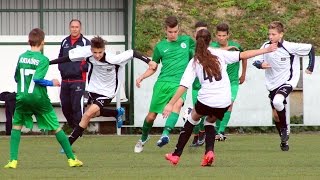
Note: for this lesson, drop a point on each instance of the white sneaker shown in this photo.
(138, 148)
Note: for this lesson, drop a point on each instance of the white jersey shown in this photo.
(216, 94)
(283, 70)
(104, 76)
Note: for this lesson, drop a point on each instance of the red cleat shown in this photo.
(208, 159)
(173, 159)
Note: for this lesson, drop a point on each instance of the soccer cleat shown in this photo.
(195, 141)
(208, 159)
(12, 164)
(202, 138)
(220, 137)
(138, 148)
(119, 117)
(163, 141)
(173, 159)
(284, 139)
(74, 163)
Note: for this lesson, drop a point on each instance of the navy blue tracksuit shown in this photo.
(73, 82)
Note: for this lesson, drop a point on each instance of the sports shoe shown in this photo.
(202, 138)
(163, 141)
(220, 137)
(138, 148)
(284, 139)
(74, 162)
(208, 159)
(195, 141)
(12, 164)
(119, 117)
(173, 159)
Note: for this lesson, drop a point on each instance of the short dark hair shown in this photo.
(77, 20)
(98, 42)
(223, 27)
(200, 24)
(276, 25)
(36, 36)
(171, 22)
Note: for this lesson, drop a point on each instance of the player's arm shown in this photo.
(244, 63)
(186, 81)
(252, 53)
(302, 49)
(40, 73)
(76, 54)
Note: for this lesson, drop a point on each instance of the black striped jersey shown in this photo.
(104, 76)
(283, 70)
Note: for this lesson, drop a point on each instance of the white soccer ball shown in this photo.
(186, 114)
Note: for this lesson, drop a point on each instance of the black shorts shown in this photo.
(99, 100)
(284, 89)
(205, 110)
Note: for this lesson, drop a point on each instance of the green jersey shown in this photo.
(232, 69)
(174, 57)
(31, 65)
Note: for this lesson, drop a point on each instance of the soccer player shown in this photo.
(198, 130)
(280, 74)
(222, 37)
(174, 53)
(32, 99)
(214, 97)
(105, 76)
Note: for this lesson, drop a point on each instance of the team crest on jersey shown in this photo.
(183, 45)
(66, 45)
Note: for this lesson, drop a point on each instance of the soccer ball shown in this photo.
(186, 114)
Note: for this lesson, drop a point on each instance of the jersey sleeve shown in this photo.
(300, 49)
(42, 69)
(156, 57)
(189, 75)
(229, 56)
(121, 58)
(80, 53)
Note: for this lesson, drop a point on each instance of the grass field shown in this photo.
(112, 157)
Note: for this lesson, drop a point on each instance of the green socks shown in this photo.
(14, 144)
(170, 123)
(145, 130)
(199, 127)
(64, 142)
(224, 122)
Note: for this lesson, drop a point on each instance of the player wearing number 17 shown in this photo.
(32, 99)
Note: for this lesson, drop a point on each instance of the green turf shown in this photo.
(112, 157)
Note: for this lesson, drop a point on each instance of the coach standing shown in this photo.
(73, 76)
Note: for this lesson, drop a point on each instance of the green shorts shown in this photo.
(48, 121)
(162, 94)
(234, 90)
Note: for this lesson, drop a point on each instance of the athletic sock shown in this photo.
(63, 140)
(201, 124)
(210, 137)
(170, 123)
(196, 129)
(76, 133)
(14, 144)
(218, 122)
(145, 130)
(224, 122)
(183, 138)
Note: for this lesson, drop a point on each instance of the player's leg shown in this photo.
(202, 133)
(210, 131)
(15, 137)
(196, 129)
(193, 119)
(147, 125)
(91, 112)
(278, 103)
(66, 105)
(225, 120)
(77, 101)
